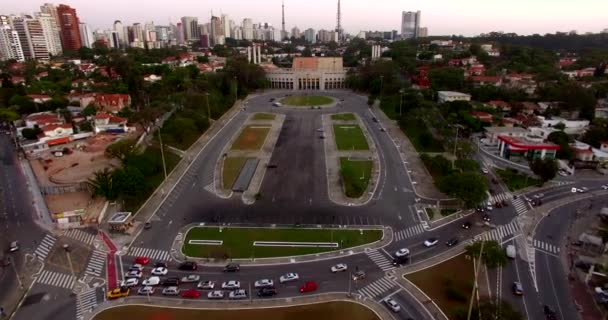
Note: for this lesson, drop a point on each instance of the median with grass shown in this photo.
(247, 243)
(516, 181)
(306, 101)
(350, 137)
(343, 117)
(231, 169)
(355, 176)
(251, 138)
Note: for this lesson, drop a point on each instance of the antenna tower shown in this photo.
(339, 23)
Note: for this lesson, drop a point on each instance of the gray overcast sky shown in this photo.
(442, 17)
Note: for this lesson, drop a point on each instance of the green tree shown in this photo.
(446, 78)
(121, 149)
(24, 104)
(469, 187)
(103, 185)
(129, 182)
(493, 254)
(89, 110)
(545, 169)
(31, 133)
(490, 310)
(8, 115)
(85, 126)
(560, 126)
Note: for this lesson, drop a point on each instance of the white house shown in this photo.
(449, 96)
(572, 126)
(104, 122)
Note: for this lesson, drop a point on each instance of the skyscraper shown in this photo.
(120, 31)
(10, 46)
(310, 35)
(225, 26)
(410, 24)
(295, 32)
(216, 31)
(247, 29)
(69, 26)
(31, 37)
(51, 32)
(86, 36)
(190, 25)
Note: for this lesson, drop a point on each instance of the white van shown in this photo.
(511, 251)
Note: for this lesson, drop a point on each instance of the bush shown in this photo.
(455, 295)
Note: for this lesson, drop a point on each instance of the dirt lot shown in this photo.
(74, 201)
(251, 138)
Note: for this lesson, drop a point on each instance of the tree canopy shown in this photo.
(493, 254)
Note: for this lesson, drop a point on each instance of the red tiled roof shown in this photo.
(102, 115)
(499, 103)
(115, 119)
(43, 118)
(39, 96)
(52, 127)
(481, 114)
(485, 79)
(527, 145)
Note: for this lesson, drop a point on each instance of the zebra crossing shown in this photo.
(56, 279)
(377, 287)
(96, 264)
(380, 260)
(520, 205)
(153, 254)
(85, 302)
(409, 232)
(500, 232)
(45, 247)
(547, 247)
(210, 188)
(80, 235)
(505, 196)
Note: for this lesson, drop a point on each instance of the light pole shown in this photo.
(236, 90)
(12, 262)
(455, 144)
(208, 110)
(162, 152)
(400, 101)
(66, 247)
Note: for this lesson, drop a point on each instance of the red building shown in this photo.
(69, 26)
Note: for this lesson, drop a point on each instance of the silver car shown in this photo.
(393, 305)
(237, 294)
(171, 291)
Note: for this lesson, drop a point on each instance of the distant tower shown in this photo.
(339, 23)
(283, 32)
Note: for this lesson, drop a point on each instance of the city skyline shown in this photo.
(442, 17)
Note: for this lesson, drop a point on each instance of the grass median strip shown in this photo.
(251, 138)
(241, 242)
(355, 176)
(350, 137)
(231, 169)
(303, 101)
(343, 116)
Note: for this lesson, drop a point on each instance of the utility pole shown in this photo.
(162, 152)
(400, 101)
(455, 144)
(475, 281)
(208, 110)
(66, 247)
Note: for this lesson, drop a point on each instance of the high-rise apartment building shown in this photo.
(190, 25)
(237, 33)
(86, 35)
(10, 46)
(423, 32)
(295, 33)
(225, 26)
(410, 24)
(51, 32)
(216, 30)
(120, 31)
(69, 26)
(247, 29)
(179, 33)
(310, 36)
(31, 37)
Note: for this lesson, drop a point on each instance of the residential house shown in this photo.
(449, 96)
(113, 102)
(462, 62)
(529, 108)
(504, 106)
(587, 72)
(152, 78)
(486, 80)
(572, 126)
(183, 60)
(39, 98)
(476, 69)
(482, 116)
(55, 134)
(42, 119)
(87, 68)
(108, 123)
(84, 99)
(41, 75)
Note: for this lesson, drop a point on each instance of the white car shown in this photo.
(289, 277)
(237, 294)
(402, 252)
(160, 271)
(563, 173)
(264, 283)
(191, 278)
(152, 281)
(579, 190)
(217, 294)
(430, 242)
(484, 170)
(133, 274)
(393, 305)
(171, 291)
(130, 282)
(206, 285)
(146, 290)
(137, 267)
(605, 187)
(231, 285)
(339, 267)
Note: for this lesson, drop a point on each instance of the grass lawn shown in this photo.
(447, 212)
(264, 116)
(343, 116)
(516, 181)
(420, 136)
(230, 170)
(355, 176)
(238, 242)
(180, 132)
(449, 284)
(304, 101)
(350, 137)
(251, 138)
(328, 311)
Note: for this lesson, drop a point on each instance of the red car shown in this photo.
(192, 293)
(142, 260)
(309, 286)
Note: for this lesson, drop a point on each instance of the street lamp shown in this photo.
(162, 151)
(208, 110)
(401, 101)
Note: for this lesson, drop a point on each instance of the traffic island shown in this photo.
(351, 159)
(243, 162)
(307, 101)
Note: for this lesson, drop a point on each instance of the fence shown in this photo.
(54, 190)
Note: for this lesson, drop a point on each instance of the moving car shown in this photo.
(309, 286)
(216, 294)
(393, 305)
(14, 246)
(231, 285)
(518, 288)
(142, 260)
(264, 283)
(188, 265)
(400, 260)
(160, 271)
(510, 251)
(160, 265)
(430, 242)
(232, 267)
(484, 170)
(605, 187)
(237, 294)
(359, 275)
(191, 278)
(289, 277)
(402, 252)
(580, 190)
(137, 267)
(452, 242)
(146, 290)
(133, 274)
(152, 281)
(130, 282)
(206, 285)
(267, 292)
(191, 293)
(340, 267)
(486, 218)
(466, 225)
(118, 293)
(171, 291)
(173, 281)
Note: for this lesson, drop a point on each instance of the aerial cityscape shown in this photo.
(330, 160)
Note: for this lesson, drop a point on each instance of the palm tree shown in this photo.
(103, 185)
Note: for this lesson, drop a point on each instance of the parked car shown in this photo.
(267, 292)
(146, 290)
(173, 281)
(510, 251)
(133, 274)
(517, 288)
(152, 281)
(430, 242)
(118, 293)
(309, 286)
(402, 252)
(136, 267)
(171, 291)
(289, 277)
(142, 260)
(340, 267)
(191, 278)
(237, 294)
(129, 282)
(452, 242)
(160, 271)
(264, 283)
(216, 294)
(191, 293)
(393, 305)
(231, 285)
(232, 267)
(206, 285)
(188, 265)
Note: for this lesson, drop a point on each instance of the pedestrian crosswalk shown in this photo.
(210, 188)
(153, 254)
(547, 247)
(500, 232)
(56, 279)
(505, 196)
(520, 205)
(80, 235)
(85, 302)
(45, 247)
(96, 263)
(409, 232)
(377, 287)
(380, 260)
